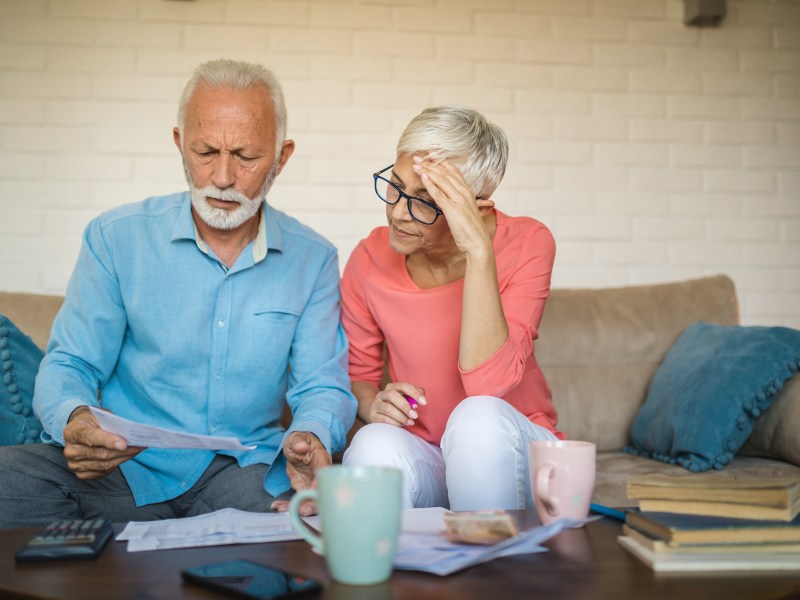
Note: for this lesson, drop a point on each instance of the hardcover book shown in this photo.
(741, 498)
(658, 546)
(701, 529)
(722, 509)
(711, 561)
(777, 492)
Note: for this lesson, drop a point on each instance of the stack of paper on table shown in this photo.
(744, 498)
(425, 548)
(421, 547)
(225, 526)
(677, 542)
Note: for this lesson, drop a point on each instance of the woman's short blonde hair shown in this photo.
(478, 147)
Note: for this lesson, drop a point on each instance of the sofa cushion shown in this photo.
(599, 348)
(775, 433)
(705, 397)
(19, 362)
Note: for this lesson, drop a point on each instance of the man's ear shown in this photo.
(176, 137)
(286, 151)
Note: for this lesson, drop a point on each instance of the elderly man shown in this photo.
(205, 312)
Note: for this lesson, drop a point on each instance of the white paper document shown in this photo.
(150, 436)
(225, 526)
(423, 547)
(435, 554)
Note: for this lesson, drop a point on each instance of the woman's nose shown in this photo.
(400, 211)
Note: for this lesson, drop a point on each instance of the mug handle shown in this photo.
(543, 485)
(298, 524)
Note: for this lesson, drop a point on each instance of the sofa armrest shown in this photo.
(33, 314)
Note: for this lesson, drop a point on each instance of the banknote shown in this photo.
(479, 527)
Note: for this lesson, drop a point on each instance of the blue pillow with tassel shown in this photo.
(705, 397)
(19, 363)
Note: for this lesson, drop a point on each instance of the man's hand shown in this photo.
(90, 451)
(305, 455)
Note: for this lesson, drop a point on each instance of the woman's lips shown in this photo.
(402, 233)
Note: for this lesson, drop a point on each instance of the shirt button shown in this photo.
(220, 324)
(218, 376)
(213, 429)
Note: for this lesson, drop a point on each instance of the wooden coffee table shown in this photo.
(582, 564)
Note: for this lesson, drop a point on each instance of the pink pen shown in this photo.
(411, 401)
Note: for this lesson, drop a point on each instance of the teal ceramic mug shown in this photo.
(359, 510)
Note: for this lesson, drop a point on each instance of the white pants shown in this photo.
(482, 463)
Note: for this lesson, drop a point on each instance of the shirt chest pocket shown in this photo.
(273, 328)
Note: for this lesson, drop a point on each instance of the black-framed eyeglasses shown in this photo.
(420, 210)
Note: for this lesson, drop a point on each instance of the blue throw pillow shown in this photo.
(713, 384)
(19, 362)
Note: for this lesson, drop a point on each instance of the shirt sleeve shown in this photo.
(523, 295)
(319, 389)
(363, 333)
(85, 340)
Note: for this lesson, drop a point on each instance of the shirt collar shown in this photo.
(268, 237)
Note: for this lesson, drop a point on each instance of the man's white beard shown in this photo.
(220, 218)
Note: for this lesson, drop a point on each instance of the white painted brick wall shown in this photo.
(654, 151)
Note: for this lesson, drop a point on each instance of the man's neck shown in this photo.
(228, 244)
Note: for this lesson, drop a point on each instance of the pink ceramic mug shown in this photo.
(562, 478)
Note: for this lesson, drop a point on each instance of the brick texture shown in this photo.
(654, 151)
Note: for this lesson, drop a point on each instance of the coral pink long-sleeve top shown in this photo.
(421, 327)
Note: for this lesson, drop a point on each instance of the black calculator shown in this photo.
(67, 540)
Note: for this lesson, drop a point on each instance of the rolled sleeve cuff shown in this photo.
(276, 481)
(63, 412)
(492, 375)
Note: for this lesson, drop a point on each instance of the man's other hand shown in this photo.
(90, 451)
(305, 455)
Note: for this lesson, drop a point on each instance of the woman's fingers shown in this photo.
(443, 181)
(397, 404)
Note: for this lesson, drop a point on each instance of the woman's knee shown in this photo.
(375, 444)
(478, 416)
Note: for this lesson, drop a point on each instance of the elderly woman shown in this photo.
(454, 289)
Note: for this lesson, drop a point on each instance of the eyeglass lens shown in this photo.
(419, 210)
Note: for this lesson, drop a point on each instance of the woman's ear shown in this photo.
(485, 205)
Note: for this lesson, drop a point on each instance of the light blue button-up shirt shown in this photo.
(172, 337)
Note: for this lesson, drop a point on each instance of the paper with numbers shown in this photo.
(150, 436)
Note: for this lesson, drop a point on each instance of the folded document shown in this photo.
(225, 526)
(422, 545)
(434, 554)
(150, 436)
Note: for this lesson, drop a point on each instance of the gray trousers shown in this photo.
(36, 487)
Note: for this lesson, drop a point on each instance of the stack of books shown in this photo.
(748, 498)
(697, 524)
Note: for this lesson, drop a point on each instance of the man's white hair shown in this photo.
(478, 147)
(237, 75)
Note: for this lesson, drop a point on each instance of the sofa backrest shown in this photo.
(32, 313)
(599, 348)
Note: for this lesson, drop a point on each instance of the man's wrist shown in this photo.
(81, 409)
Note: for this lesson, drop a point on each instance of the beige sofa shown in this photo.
(599, 349)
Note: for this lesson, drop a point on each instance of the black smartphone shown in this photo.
(246, 579)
